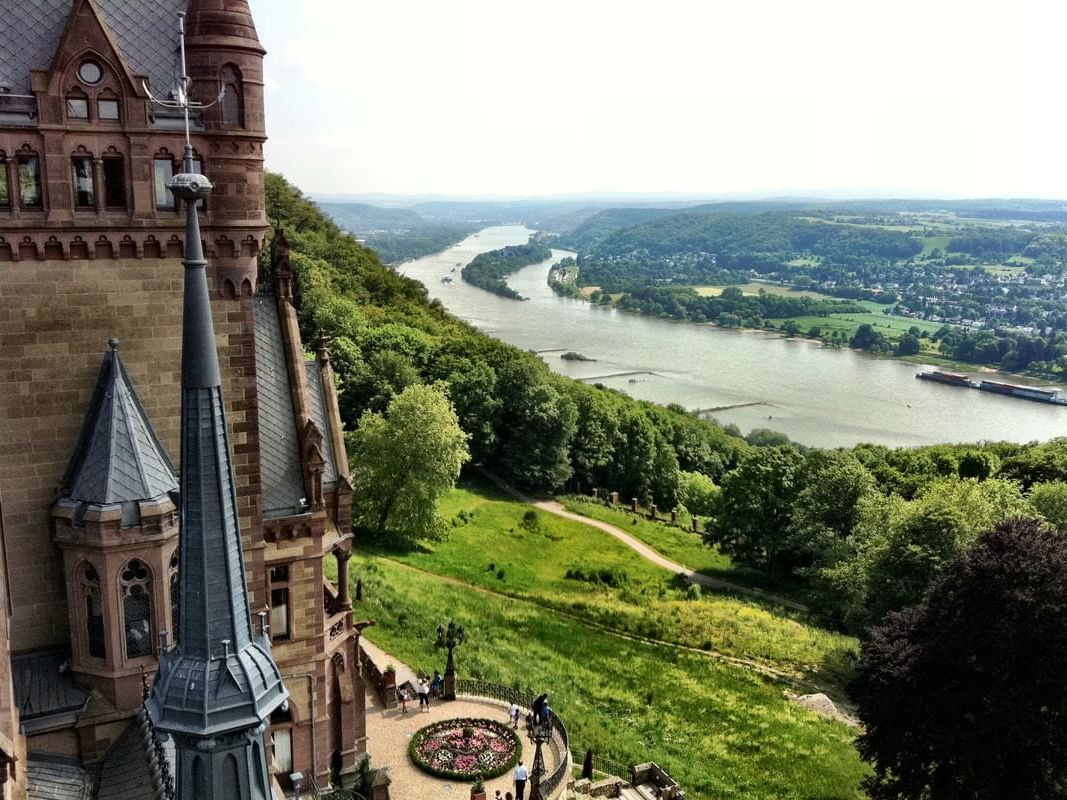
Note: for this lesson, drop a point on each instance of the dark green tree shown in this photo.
(963, 696)
(754, 508)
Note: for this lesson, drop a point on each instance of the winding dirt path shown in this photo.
(643, 550)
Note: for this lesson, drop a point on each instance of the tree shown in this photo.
(1050, 501)
(403, 461)
(963, 696)
(907, 345)
(753, 512)
(833, 484)
(593, 445)
(697, 492)
(542, 421)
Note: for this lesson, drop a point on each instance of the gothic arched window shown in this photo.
(232, 100)
(135, 583)
(93, 603)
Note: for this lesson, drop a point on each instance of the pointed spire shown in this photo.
(218, 686)
(119, 458)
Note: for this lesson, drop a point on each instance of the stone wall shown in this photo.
(55, 320)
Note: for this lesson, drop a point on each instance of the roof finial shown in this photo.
(113, 343)
(181, 97)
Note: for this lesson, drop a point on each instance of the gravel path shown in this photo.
(642, 549)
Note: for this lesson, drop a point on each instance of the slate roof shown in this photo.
(42, 690)
(118, 459)
(318, 416)
(145, 31)
(56, 778)
(279, 452)
(129, 772)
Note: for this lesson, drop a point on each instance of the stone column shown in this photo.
(342, 579)
(98, 185)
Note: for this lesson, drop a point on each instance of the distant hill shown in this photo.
(362, 219)
(396, 234)
(603, 224)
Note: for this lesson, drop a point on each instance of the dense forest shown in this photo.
(488, 270)
(857, 532)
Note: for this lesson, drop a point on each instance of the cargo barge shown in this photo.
(1038, 395)
(951, 378)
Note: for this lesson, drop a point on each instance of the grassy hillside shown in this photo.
(721, 729)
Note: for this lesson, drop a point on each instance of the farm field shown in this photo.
(754, 288)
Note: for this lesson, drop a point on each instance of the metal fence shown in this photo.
(472, 688)
(602, 764)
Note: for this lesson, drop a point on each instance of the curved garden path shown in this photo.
(643, 550)
(389, 732)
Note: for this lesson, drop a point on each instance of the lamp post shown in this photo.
(540, 732)
(450, 637)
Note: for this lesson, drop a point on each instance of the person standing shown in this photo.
(521, 776)
(424, 695)
(513, 714)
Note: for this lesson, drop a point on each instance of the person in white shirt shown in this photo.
(521, 776)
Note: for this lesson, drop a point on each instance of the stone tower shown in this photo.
(91, 247)
(117, 526)
(217, 687)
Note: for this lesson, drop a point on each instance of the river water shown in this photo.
(817, 396)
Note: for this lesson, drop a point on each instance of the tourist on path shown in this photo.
(538, 704)
(513, 714)
(437, 684)
(521, 775)
(404, 701)
(424, 695)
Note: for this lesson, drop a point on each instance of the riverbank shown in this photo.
(819, 396)
(926, 357)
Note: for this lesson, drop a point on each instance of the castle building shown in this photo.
(91, 280)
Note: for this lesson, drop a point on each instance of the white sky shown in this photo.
(932, 97)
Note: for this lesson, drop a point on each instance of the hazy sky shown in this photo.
(932, 97)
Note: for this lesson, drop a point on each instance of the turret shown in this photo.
(116, 523)
(225, 57)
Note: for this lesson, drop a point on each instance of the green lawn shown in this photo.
(887, 324)
(613, 587)
(930, 243)
(720, 730)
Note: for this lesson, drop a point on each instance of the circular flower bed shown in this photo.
(465, 749)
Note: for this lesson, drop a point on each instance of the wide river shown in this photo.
(817, 396)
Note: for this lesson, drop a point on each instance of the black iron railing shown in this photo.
(603, 765)
(494, 691)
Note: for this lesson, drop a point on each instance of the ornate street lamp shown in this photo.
(450, 637)
(540, 732)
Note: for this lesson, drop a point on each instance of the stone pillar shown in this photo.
(596, 493)
(633, 504)
(342, 579)
(98, 184)
(614, 498)
(674, 516)
(653, 512)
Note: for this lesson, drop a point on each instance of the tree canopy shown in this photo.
(963, 696)
(403, 461)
